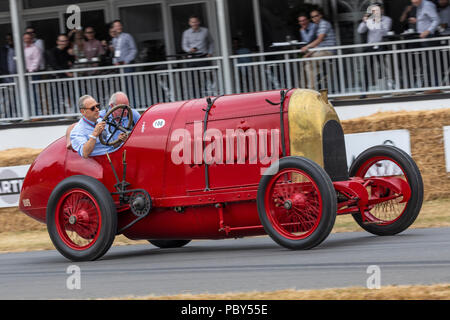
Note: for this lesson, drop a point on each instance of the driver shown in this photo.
(118, 98)
(84, 136)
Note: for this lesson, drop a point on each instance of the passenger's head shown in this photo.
(316, 16)
(303, 20)
(416, 3)
(194, 22)
(89, 108)
(119, 98)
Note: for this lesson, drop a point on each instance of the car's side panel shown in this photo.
(200, 222)
(44, 174)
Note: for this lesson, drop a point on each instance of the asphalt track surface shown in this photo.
(417, 256)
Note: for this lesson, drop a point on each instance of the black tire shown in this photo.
(412, 173)
(107, 226)
(167, 244)
(328, 201)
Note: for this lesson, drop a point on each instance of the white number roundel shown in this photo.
(158, 124)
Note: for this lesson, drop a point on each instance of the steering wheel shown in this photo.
(116, 123)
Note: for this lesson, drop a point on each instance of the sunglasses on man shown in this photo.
(97, 106)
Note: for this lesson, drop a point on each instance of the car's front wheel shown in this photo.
(297, 203)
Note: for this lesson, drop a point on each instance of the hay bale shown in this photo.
(13, 220)
(427, 142)
(18, 156)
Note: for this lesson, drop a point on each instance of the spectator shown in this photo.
(92, 47)
(238, 49)
(307, 29)
(32, 53)
(76, 39)
(197, 39)
(376, 30)
(59, 57)
(125, 50)
(444, 15)
(39, 43)
(325, 37)
(8, 58)
(427, 18)
(108, 48)
(409, 12)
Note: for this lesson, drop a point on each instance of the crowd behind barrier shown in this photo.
(415, 60)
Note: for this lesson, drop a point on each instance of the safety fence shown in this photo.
(380, 68)
(56, 93)
(9, 103)
(363, 69)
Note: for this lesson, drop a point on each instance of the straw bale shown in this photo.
(427, 142)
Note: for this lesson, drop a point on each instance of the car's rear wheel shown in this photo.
(297, 204)
(393, 216)
(167, 244)
(81, 218)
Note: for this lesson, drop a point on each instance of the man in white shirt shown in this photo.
(125, 49)
(197, 39)
(376, 26)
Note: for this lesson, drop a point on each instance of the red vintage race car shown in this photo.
(228, 167)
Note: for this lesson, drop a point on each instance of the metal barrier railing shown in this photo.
(54, 93)
(396, 66)
(9, 98)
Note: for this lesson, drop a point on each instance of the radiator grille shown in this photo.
(334, 154)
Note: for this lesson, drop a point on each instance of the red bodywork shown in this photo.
(148, 155)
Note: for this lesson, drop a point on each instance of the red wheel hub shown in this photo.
(78, 219)
(293, 204)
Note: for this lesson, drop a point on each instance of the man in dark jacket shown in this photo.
(59, 57)
(7, 59)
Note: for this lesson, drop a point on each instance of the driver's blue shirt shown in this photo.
(80, 135)
(124, 122)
